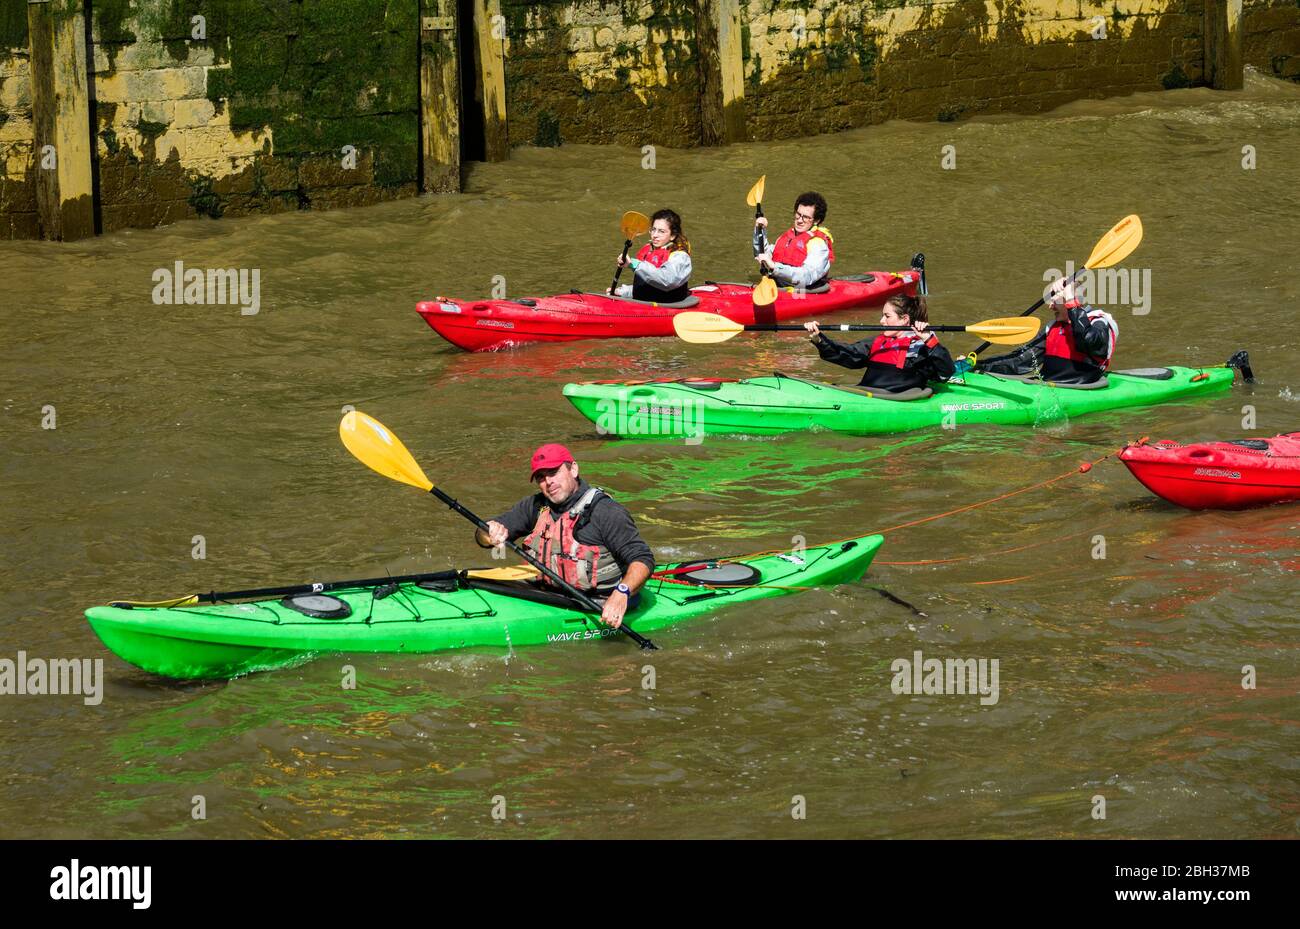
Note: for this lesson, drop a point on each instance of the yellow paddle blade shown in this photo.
(765, 292)
(191, 600)
(1014, 330)
(1117, 244)
(705, 328)
(634, 224)
(379, 450)
(513, 573)
(755, 195)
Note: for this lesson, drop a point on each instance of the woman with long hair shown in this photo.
(661, 271)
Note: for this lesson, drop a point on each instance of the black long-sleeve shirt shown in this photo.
(608, 524)
(1092, 337)
(927, 360)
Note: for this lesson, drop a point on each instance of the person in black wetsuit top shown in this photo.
(1075, 349)
(899, 359)
(579, 532)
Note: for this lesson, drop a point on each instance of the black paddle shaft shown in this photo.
(293, 590)
(618, 272)
(528, 557)
(842, 327)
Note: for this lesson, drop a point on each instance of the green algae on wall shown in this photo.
(280, 104)
(13, 24)
(624, 73)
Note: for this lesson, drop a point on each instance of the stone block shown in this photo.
(185, 82)
(169, 144)
(156, 111)
(143, 56)
(1051, 56)
(277, 173)
(581, 39)
(112, 88)
(315, 173)
(1038, 82)
(193, 112)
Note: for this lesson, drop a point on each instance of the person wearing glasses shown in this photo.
(801, 256)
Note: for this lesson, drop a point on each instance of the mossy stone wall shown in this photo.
(271, 105)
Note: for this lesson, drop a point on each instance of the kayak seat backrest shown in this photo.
(819, 289)
(1257, 445)
(1095, 385)
(1154, 374)
(855, 278)
(676, 305)
(916, 393)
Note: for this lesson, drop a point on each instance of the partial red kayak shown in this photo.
(1219, 475)
(487, 325)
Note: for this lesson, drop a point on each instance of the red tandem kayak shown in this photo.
(487, 325)
(1219, 475)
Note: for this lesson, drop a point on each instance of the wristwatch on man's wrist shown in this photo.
(624, 590)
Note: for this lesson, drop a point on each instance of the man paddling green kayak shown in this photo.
(578, 531)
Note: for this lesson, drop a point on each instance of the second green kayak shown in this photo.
(774, 405)
(443, 611)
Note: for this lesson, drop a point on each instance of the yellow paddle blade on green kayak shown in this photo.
(1014, 330)
(1117, 244)
(375, 446)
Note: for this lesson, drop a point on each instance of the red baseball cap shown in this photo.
(550, 456)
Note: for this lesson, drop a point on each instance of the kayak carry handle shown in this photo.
(1241, 361)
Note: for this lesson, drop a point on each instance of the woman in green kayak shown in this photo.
(661, 271)
(904, 357)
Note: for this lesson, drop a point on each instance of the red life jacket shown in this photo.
(1061, 344)
(892, 350)
(887, 366)
(554, 543)
(792, 247)
(656, 256)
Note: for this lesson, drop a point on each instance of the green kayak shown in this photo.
(693, 408)
(443, 611)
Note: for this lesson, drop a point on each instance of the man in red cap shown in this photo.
(579, 532)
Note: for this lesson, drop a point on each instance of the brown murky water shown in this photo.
(1119, 677)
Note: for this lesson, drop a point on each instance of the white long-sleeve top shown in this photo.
(675, 272)
(815, 267)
